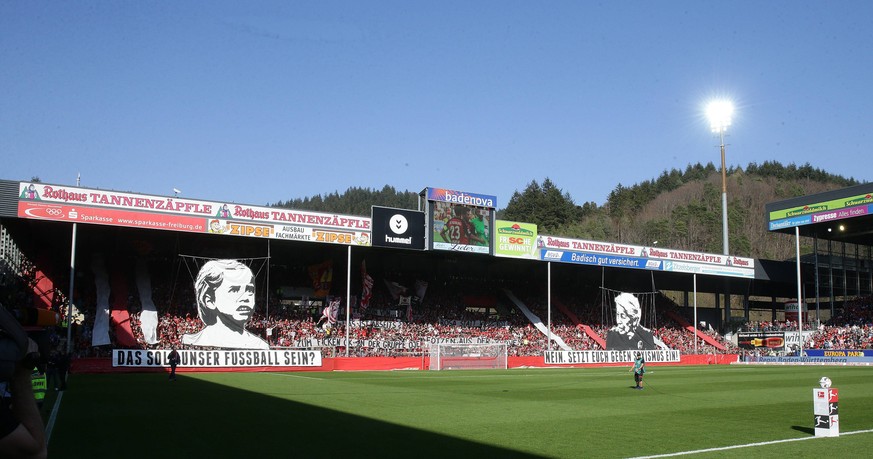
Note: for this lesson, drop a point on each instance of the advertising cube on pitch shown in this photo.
(825, 405)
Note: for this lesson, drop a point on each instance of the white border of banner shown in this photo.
(156, 358)
(595, 357)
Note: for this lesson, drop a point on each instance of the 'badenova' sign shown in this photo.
(461, 197)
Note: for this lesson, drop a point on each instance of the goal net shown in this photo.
(451, 356)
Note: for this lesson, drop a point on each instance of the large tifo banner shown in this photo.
(217, 359)
(608, 254)
(103, 207)
(577, 357)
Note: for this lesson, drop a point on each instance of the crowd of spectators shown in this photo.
(851, 328)
(450, 311)
(386, 329)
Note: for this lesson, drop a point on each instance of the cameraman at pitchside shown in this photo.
(22, 434)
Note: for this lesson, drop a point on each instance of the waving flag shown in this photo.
(366, 286)
(396, 289)
(322, 277)
(420, 290)
(331, 310)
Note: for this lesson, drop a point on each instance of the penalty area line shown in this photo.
(747, 445)
(287, 375)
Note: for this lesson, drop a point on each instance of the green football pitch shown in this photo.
(733, 411)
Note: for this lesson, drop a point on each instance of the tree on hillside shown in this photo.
(355, 201)
(546, 206)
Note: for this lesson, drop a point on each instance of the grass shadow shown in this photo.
(145, 415)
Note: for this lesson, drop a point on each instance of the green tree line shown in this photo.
(679, 209)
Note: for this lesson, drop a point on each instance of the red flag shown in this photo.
(366, 286)
(322, 276)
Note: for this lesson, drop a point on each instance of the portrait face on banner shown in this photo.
(235, 297)
(628, 333)
(225, 292)
(627, 313)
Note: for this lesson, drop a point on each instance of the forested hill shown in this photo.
(679, 209)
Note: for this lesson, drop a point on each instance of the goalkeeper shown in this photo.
(639, 370)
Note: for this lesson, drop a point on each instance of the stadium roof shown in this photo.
(844, 215)
(771, 278)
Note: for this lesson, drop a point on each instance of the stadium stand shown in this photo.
(454, 307)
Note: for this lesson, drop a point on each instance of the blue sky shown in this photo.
(256, 102)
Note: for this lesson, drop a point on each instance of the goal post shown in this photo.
(453, 356)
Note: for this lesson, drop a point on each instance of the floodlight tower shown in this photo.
(719, 113)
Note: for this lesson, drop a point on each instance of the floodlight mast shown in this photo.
(719, 113)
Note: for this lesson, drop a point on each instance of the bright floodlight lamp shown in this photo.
(719, 113)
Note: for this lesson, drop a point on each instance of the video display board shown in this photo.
(460, 221)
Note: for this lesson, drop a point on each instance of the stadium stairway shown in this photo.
(585, 328)
(535, 320)
(706, 338)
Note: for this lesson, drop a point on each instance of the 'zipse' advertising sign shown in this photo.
(397, 228)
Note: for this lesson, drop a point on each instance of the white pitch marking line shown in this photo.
(748, 445)
(287, 375)
(52, 417)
